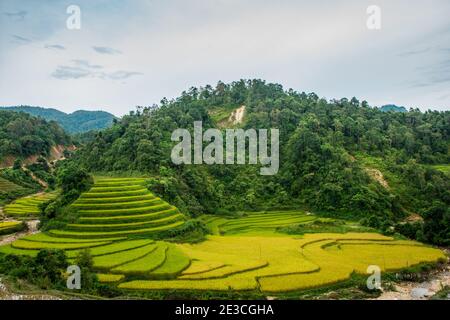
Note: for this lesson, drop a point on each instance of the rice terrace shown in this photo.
(122, 224)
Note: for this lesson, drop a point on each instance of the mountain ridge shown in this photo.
(76, 122)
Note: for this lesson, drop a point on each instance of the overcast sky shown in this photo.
(130, 53)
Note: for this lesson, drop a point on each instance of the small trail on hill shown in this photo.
(7, 294)
(41, 182)
(31, 229)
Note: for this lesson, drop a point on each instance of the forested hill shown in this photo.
(22, 135)
(76, 122)
(339, 157)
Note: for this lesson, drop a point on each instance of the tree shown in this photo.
(71, 177)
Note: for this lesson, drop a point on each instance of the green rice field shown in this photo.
(7, 227)
(7, 186)
(28, 207)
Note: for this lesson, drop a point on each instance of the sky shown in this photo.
(130, 53)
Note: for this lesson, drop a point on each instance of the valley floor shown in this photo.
(265, 253)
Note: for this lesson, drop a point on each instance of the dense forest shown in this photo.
(328, 150)
(77, 122)
(22, 135)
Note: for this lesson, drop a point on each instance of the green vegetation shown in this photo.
(10, 191)
(29, 207)
(442, 167)
(34, 245)
(73, 181)
(360, 170)
(45, 269)
(257, 222)
(22, 135)
(76, 122)
(248, 253)
(324, 145)
(120, 216)
(325, 226)
(282, 264)
(8, 186)
(7, 227)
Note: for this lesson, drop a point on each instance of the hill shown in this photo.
(76, 122)
(23, 136)
(326, 149)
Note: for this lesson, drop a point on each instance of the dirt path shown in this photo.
(408, 290)
(32, 229)
(7, 294)
(33, 176)
(32, 226)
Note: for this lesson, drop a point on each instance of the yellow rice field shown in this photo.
(119, 219)
(282, 264)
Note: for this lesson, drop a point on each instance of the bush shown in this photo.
(73, 181)
(89, 280)
(45, 270)
(71, 177)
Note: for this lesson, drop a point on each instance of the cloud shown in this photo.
(86, 64)
(83, 69)
(19, 15)
(55, 46)
(305, 45)
(446, 50)
(66, 73)
(20, 39)
(106, 50)
(414, 52)
(121, 75)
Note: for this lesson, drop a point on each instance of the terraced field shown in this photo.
(7, 227)
(119, 217)
(120, 207)
(7, 186)
(27, 208)
(282, 264)
(257, 222)
(443, 167)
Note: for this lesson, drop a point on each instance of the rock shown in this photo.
(420, 293)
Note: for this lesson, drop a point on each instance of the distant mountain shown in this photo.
(393, 108)
(25, 136)
(77, 122)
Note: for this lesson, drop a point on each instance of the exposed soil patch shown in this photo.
(56, 154)
(414, 217)
(237, 116)
(376, 175)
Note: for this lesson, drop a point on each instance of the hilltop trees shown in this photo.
(22, 135)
